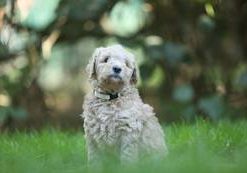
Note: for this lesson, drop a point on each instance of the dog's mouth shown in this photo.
(115, 78)
(112, 83)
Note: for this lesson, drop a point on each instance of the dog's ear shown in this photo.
(133, 79)
(134, 76)
(91, 67)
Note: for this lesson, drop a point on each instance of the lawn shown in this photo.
(201, 147)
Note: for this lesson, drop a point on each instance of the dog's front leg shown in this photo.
(93, 153)
(130, 129)
(128, 148)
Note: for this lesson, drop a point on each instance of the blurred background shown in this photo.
(192, 57)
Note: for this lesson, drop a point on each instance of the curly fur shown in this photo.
(124, 127)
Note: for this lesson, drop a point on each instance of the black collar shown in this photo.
(113, 96)
(106, 96)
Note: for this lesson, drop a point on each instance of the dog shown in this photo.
(116, 121)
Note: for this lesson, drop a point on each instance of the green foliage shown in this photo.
(16, 113)
(81, 10)
(240, 78)
(212, 106)
(183, 93)
(2, 2)
(3, 50)
(41, 14)
(191, 54)
(243, 80)
(205, 23)
(174, 53)
(199, 147)
(128, 17)
(156, 78)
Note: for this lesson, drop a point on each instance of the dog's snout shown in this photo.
(116, 69)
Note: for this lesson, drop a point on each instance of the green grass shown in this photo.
(200, 147)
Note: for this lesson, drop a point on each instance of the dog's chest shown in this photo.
(104, 126)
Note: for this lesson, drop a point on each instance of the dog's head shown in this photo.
(112, 68)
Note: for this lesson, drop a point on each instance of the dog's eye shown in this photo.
(106, 59)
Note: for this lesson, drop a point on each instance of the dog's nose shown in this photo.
(116, 69)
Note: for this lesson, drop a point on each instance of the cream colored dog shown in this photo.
(116, 121)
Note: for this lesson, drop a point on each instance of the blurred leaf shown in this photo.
(155, 52)
(209, 9)
(18, 113)
(189, 112)
(14, 80)
(3, 51)
(214, 74)
(52, 74)
(212, 106)
(174, 53)
(2, 2)
(128, 17)
(65, 62)
(41, 14)
(16, 41)
(3, 113)
(205, 23)
(146, 70)
(239, 80)
(156, 78)
(243, 80)
(183, 93)
(91, 9)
